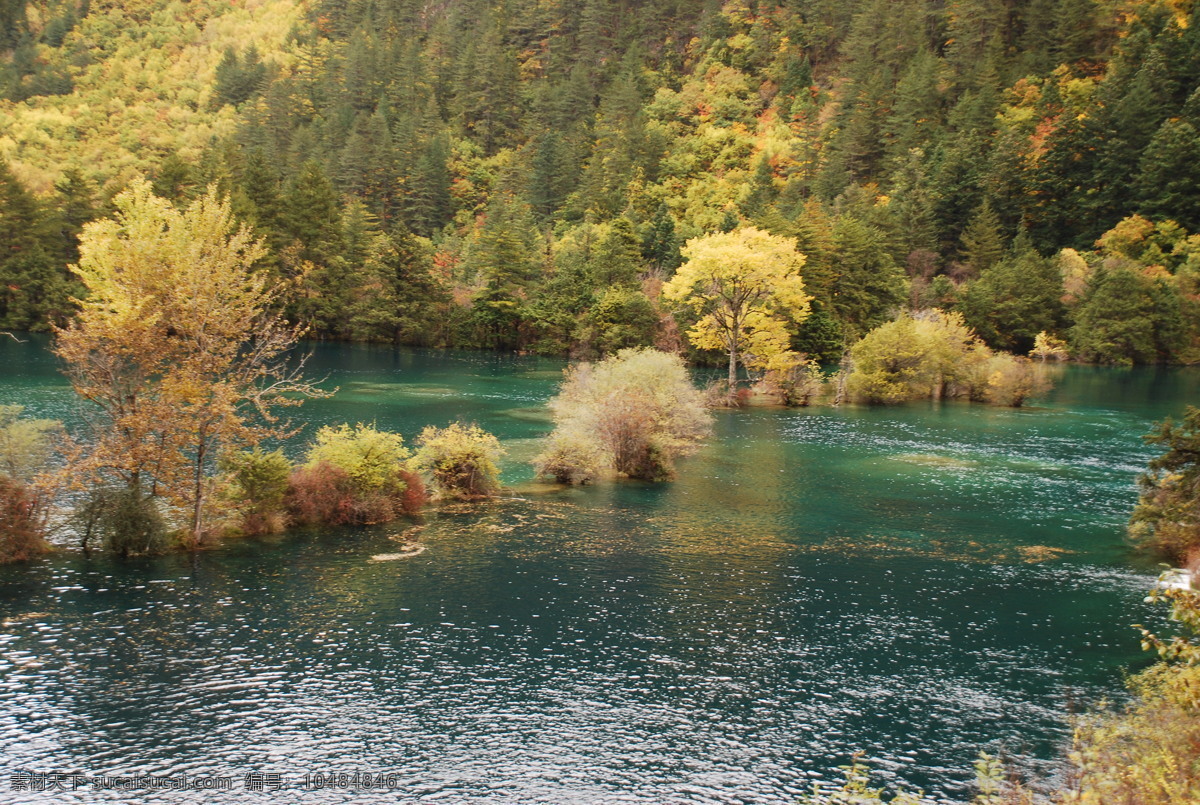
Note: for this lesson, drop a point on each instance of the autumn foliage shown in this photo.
(632, 415)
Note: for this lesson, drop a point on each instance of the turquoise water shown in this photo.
(917, 583)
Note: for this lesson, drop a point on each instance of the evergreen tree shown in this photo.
(660, 245)
(617, 259)
(1126, 318)
(310, 215)
(868, 287)
(1168, 183)
(1014, 299)
(982, 243)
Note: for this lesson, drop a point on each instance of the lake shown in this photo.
(917, 583)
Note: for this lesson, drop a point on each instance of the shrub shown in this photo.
(25, 487)
(793, 379)
(1013, 380)
(572, 457)
(21, 524)
(25, 444)
(126, 521)
(1145, 753)
(373, 459)
(632, 414)
(414, 495)
(1048, 347)
(933, 355)
(257, 487)
(1167, 517)
(354, 475)
(321, 494)
(930, 355)
(461, 459)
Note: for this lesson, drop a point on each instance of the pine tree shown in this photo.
(868, 285)
(660, 244)
(982, 243)
(1014, 299)
(1168, 184)
(617, 259)
(174, 179)
(309, 214)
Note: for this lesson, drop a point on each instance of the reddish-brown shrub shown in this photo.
(21, 526)
(414, 495)
(321, 495)
(326, 495)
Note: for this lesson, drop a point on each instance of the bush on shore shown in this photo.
(125, 520)
(256, 486)
(1166, 519)
(934, 355)
(22, 532)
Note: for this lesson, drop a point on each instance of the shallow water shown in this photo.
(918, 583)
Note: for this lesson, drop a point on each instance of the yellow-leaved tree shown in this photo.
(177, 345)
(747, 288)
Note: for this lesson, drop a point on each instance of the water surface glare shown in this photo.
(918, 583)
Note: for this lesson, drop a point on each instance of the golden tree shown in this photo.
(177, 345)
(746, 286)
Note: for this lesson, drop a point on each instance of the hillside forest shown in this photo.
(526, 174)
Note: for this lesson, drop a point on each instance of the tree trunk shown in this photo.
(733, 360)
(198, 507)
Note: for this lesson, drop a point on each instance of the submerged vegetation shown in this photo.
(461, 460)
(26, 486)
(632, 415)
(934, 355)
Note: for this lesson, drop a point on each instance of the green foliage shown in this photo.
(25, 444)
(238, 78)
(461, 459)
(1013, 300)
(1167, 517)
(632, 414)
(125, 520)
(354, 475)
(869, 286)
(374, 460)
(257, 489)
(35, 286)
(622, 317)
(983, 245)
(1126, 317)
(936, 128)
(933, 355)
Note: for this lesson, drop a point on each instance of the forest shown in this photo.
(525, 175)
(925, 192)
